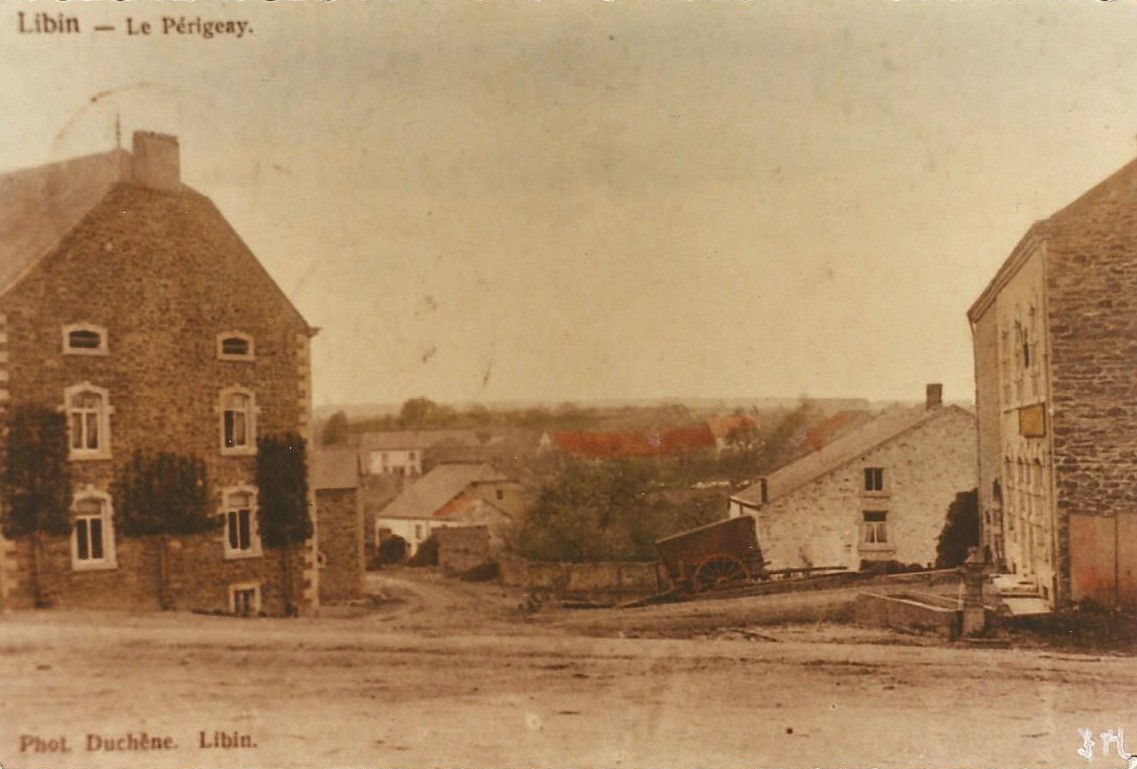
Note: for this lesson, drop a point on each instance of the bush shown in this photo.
(427, 553)
(392, 549)
(960, 531)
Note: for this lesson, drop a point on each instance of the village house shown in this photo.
(878, 493)
(452, 495)
(410, 453)
(335, 483)
(1055, 341)
(129, 304)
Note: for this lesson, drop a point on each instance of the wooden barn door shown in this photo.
(1103, 559)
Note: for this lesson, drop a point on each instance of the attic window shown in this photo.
(234, 345)
(84, 339)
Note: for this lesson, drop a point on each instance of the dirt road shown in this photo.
(452, 674)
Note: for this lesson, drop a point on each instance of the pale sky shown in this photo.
(482, 201)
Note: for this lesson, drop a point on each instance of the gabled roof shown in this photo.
(334, 469)
(1100, 217)
(889, 425)
(464, 505)
(39, 206)
(438, 487)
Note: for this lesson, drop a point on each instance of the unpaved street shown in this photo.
(453, 674)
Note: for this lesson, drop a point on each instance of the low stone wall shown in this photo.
(909, 611)
(461, 548)
(597, 581)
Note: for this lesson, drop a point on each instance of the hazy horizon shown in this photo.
(552, 201)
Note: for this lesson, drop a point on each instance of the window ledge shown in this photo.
(103, 565)
(237, 358)
(77, 456)
(103, 352)
(880, 548)
(238, 555)
(243, 451)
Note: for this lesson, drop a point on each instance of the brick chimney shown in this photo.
(934, 397)
(155, 161)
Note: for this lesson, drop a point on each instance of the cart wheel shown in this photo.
(717, 570)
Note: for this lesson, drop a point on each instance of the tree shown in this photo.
(417, 411)
(36, 482)
(157, 495)
(336, 430)
(960, 531)
(282, 484)
(779, 446)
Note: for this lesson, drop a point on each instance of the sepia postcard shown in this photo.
(567, 383)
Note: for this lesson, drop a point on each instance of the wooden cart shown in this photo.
(717, 554)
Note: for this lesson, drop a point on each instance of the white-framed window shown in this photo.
(238, 410)
(874, 479)
(245, 599)
(84, 339)
(92, 530)
(239, 511)
(875, 528)
(235, 345)
(88, 421)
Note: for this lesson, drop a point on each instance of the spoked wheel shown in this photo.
(718, 570)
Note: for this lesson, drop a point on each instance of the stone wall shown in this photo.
(164, 274)
(1092, 303)
(610, 580)
(341, 543)
(820, 523)
(461, 548)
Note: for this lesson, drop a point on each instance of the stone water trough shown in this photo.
(920, 612)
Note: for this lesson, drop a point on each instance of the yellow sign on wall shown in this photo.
(1032, 421)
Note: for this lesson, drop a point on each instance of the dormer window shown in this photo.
(234, 345)
(84, 339)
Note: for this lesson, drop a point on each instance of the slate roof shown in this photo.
(334, 469)
(437, 488)
(888, 425)
(39, 206)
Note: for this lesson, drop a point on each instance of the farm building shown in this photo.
(1055, 340)
(878, 493)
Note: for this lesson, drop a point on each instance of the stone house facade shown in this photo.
(879, 493)
(1055, 343)
(128, 303)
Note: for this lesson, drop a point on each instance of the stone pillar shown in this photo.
(974, 618)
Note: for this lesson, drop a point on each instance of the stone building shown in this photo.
(876, 494)
(335, 483)
(1055, 340)
(129, 303)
